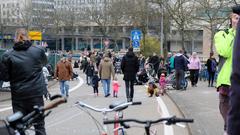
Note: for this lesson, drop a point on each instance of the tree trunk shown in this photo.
(183, 40)
(212, 36)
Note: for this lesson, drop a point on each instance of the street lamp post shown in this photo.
(161, 36)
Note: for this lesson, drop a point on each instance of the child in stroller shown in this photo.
(141, 77)
(74, 76)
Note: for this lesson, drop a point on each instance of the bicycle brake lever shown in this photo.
(124, 125)
(45, 115)
(171, 121)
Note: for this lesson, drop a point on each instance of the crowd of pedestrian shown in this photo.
(25, 67)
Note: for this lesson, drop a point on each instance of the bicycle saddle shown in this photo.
(115, 104)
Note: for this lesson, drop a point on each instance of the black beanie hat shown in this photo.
(236, 9)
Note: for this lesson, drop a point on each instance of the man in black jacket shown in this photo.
(129, 66)
(234, 110)
(22, 66)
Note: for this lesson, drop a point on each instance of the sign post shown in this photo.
(136, 37)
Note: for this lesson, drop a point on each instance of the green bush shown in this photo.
(152, 44)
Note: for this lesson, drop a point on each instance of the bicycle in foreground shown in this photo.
(116, 107)
(18, 124)
(148, 123)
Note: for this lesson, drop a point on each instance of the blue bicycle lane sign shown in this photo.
(136, 37)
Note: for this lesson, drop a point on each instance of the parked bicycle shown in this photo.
(18, 124)
(148, 123)
(117, 107)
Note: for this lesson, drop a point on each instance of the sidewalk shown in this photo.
(200, 103)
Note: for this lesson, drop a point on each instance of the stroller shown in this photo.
(74, 76)
(142, 77)
(171, 81)
(118, 67)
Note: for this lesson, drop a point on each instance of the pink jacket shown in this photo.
(162, 81)
(194, 63)
(116, 86)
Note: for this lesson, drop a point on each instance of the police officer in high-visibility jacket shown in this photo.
(224, 42)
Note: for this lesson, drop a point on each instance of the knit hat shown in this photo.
(236, 9)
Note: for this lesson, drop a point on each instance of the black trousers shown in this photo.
(211, 76)
(194, 74)
(26, 107)
(95, 89)
(129, 94)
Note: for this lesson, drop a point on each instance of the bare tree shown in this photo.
(118, 17)
(212, 15)
(180, 12)
(25, 16)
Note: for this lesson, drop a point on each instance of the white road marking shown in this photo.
(71, 90)
(5, 109)
(168, 130)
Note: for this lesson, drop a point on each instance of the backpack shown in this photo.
(213, 65)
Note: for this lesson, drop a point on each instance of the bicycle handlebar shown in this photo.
(54, 103)
(169, 120)
(117, 108)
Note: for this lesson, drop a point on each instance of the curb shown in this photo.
(188, 127)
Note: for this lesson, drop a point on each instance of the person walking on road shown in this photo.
(211, 68)
(224, 42)
(194, 66)
(234, 110)
(180, 65)
(90, 72)
(22, 66)
(63, 74)
(95, 81)
(116, 86)
(130, 67)
(46, 74)
(106, 69)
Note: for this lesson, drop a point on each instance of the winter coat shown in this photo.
(23, 68)
(64, 70)
(95, 80)
(194, 63)
(115, 85)
(106, 69)
(180, 62)
(90, 70)
(224, 46)
(129, 66)
(209, 64)
(172, 62)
